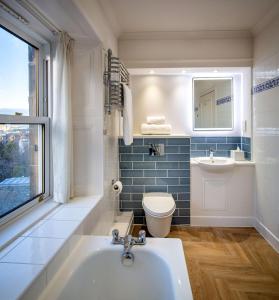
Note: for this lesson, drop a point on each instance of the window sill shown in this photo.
(36, 254)
(10, 231)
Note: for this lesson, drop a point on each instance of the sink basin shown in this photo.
(217, 164)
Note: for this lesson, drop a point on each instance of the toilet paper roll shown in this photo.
(117, 187)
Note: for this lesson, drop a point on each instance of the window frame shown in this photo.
(42, 118)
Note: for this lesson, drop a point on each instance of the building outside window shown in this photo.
(24, 124)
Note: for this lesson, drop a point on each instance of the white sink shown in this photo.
(216, 164)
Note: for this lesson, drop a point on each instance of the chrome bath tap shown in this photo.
(127, 257)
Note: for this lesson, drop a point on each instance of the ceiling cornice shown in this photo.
(266, 20)
(185, 35)
(110, 16)
(189, 63)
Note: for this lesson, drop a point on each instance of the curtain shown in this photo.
(62, 132)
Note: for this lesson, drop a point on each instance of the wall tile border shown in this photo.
(267, 85)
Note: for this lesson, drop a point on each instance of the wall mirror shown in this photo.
(213, 103)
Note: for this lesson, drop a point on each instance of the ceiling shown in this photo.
(70, 20)
(127, 16)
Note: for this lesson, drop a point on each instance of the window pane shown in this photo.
(20, 165)
(18, 76)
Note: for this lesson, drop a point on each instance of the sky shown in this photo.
(13, 74)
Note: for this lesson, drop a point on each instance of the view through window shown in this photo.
(20, 165)
(21, 143)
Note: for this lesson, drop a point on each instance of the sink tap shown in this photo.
(115, 237)
(211, 153)
(142, 237)
(128, 242)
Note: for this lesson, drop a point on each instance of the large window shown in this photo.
(24, 130)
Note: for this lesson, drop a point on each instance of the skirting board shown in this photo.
(267, 235)
(237, 222)
(221, 221)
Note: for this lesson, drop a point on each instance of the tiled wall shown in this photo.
(141, 173)
(221, 146)
(246, 146)
(266, 131)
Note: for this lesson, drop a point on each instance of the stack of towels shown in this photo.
(155, 125)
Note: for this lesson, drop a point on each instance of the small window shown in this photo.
(24, 134)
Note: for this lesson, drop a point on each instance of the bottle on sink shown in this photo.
(237, 155)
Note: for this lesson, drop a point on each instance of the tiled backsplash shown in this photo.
(141, 173)
(221, 146)
(246, 146)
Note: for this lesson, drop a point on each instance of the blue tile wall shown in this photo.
(141, 173)
(221, 146)
(246, 147)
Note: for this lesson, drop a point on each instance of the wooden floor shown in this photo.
(228, 263)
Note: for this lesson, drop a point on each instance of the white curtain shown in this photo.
(62, 135)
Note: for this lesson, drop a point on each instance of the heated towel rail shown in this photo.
(114, 76)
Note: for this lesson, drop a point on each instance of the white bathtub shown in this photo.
(94, 271)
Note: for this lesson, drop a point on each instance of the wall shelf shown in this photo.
(160, 136)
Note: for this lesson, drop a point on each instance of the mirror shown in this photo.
(213, 103)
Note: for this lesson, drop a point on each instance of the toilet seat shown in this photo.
(158, 204)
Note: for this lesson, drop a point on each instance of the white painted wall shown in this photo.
(161, 95)
(171, 95)
(266, 134)
(200, 50)
(95, 16)
(95, 154)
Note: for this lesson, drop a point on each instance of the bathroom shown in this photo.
(133, 130)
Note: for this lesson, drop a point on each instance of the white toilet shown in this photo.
(158, 208)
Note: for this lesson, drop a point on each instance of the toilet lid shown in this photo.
(158, 204)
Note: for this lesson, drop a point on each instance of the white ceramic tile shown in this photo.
(54, 212)
(71, 213)
(16, 228)
(33, 251)
(14, 278)
(86, 201)
(7, 249)
(27, 232)
(266, 133)
(54, 229)
(58, 260)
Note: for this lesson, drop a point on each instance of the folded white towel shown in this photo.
(155, 119)
(127, 116)
(155, 129)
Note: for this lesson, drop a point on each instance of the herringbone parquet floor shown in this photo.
(229, 263)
